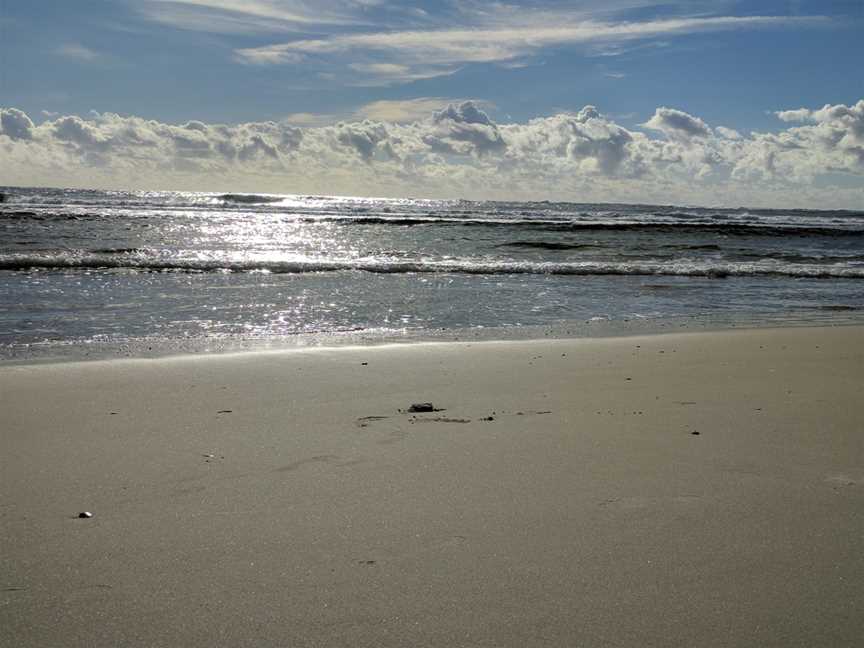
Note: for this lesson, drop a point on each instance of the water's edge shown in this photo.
(155, 348)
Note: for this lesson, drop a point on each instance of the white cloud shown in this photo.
(378, 74)
(250, 16)
(15, 124)
(837, 130)
(421, 147)
(373, 42)
(728, 133)
(677, 125)
(386, 69)
(440, 51)
(311, 119)
(77, 52)
(409, 110)
(397, 111)
(802, 114)
(269, 57)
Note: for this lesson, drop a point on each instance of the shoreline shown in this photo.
(701, 488)
(54, 352)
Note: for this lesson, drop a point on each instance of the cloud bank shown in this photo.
(815, 159)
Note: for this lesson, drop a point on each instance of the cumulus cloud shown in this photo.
(464, 129)
(678, 125)
(363, 138)
(836, 130)
(728, 133)
(15, 124)
(800, 115)
(587, 141)
(453, 150)
(80, 133)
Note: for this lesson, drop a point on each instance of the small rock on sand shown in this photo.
(85, 514)
(422, 407)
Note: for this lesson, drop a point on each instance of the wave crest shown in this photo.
(387, 266)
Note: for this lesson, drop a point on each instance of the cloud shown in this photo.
(728, 133)
(397, 111)
(431, 52)
(15, 124)
(80, 133)
(409, 110)
(466, 112)
(77, 52)
(835, 130)
(269, 57)
(311, 119)
(464, 129)
(800, 115)
(249, 16)
(377, 74)
(587, 141)
(257, 145)
(677, 125)
(429, 147)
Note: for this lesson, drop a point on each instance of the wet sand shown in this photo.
(701, 489)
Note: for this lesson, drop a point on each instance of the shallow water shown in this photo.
(114, 268)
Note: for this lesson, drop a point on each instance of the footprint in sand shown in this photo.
(364, 421)
(839, 481)
(294, 465)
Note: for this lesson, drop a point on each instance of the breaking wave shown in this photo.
(682, 268)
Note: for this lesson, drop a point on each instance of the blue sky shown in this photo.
(176, 61)
(705, 102)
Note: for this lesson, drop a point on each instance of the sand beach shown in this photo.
(702, 489)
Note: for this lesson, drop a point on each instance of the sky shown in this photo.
(713, 103)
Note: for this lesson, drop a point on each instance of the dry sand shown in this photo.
(282, 499)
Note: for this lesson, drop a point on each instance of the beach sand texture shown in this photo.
(561, 497)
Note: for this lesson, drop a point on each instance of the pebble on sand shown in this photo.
(422, 407)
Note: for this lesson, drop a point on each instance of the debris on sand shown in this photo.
(85, 514)
(423, 407)
(439, 419)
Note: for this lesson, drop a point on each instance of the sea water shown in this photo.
(133, 271)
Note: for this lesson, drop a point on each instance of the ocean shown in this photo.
(86, 273)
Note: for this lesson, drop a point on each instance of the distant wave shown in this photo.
(645, 223)
(728, 229)
(548, 245)
(576, 223)
(250, 199)
(24, 214)
(683, 268)
(556, 245)
(118, 250)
